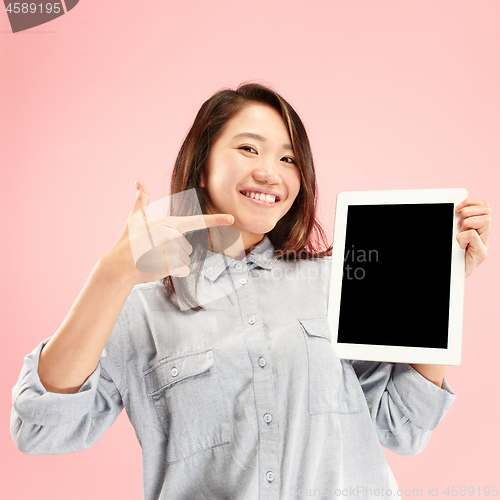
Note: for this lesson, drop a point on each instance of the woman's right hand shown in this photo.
(169, 231)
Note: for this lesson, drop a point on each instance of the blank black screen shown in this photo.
(396, 275)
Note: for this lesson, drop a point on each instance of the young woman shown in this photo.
(242, 397)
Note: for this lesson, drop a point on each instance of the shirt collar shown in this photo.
(262, 255)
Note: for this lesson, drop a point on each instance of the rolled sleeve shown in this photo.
(423, 402)
(404, 406)
(44, 422)
(34, 404)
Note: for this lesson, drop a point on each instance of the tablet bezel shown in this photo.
(399, 354)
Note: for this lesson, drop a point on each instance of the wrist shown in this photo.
(433, 373)
(115, 270)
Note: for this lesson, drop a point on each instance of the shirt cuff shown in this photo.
(423, 402)
(34, 404)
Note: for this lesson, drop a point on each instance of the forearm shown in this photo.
(72, 354)
(433, 373)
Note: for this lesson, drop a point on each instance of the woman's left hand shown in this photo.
(475, 229)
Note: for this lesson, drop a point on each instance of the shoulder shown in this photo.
(323, 263)
(146, 287)
(142, 304)
(154, 291)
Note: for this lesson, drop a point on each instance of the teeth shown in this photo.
(261, 196)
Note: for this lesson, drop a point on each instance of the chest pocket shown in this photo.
(189, 403)
(333, 385)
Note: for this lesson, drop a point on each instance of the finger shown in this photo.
(137, 226)
(185, 245)
(476, 251)
(470, 201)
(471, 240)
(482, 224)
(167, 233)
(475, 210)
(141, 198)
(174, 255)
(181, 272)
(478, 222)
(184, 257)
(202, 221)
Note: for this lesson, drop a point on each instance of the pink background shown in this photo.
(394, 95)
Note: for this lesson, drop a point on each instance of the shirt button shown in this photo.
(269, 476)
(238, 266)
(251, 321)
(262, 362)
(243, 281)
(174, 372)
(267, 417)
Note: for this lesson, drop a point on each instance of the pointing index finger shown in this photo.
(202, 221)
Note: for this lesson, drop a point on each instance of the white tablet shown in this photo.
(397, 278)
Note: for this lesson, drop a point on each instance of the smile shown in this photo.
(260, 199)
(258, 195)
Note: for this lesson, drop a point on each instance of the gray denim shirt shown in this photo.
(245, 400)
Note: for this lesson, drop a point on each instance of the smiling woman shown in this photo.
(259, 168)
(245, 397)
(251, 142)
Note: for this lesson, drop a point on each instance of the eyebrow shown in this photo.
(258, 137)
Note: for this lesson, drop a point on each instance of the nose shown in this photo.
(267, 173)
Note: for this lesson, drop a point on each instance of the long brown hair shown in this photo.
(298, 234)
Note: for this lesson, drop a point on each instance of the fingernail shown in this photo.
(137, 186)
(228, 219)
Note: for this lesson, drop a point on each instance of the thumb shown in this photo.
(141, 197)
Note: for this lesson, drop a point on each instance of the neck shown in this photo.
(250, 240)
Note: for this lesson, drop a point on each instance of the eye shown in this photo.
(291, 160)
(246, 148)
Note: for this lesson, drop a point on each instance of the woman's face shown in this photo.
(252, 159)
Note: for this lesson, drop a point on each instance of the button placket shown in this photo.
(265, 400)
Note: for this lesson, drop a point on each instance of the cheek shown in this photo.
(221, 186)
(294, 187)
(219, 182)
(297, 188)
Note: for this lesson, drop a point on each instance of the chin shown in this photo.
(257, 228)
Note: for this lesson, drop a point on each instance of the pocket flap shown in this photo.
(171, 370)
(317, 327)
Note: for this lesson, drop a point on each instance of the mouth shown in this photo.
(261, 198)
